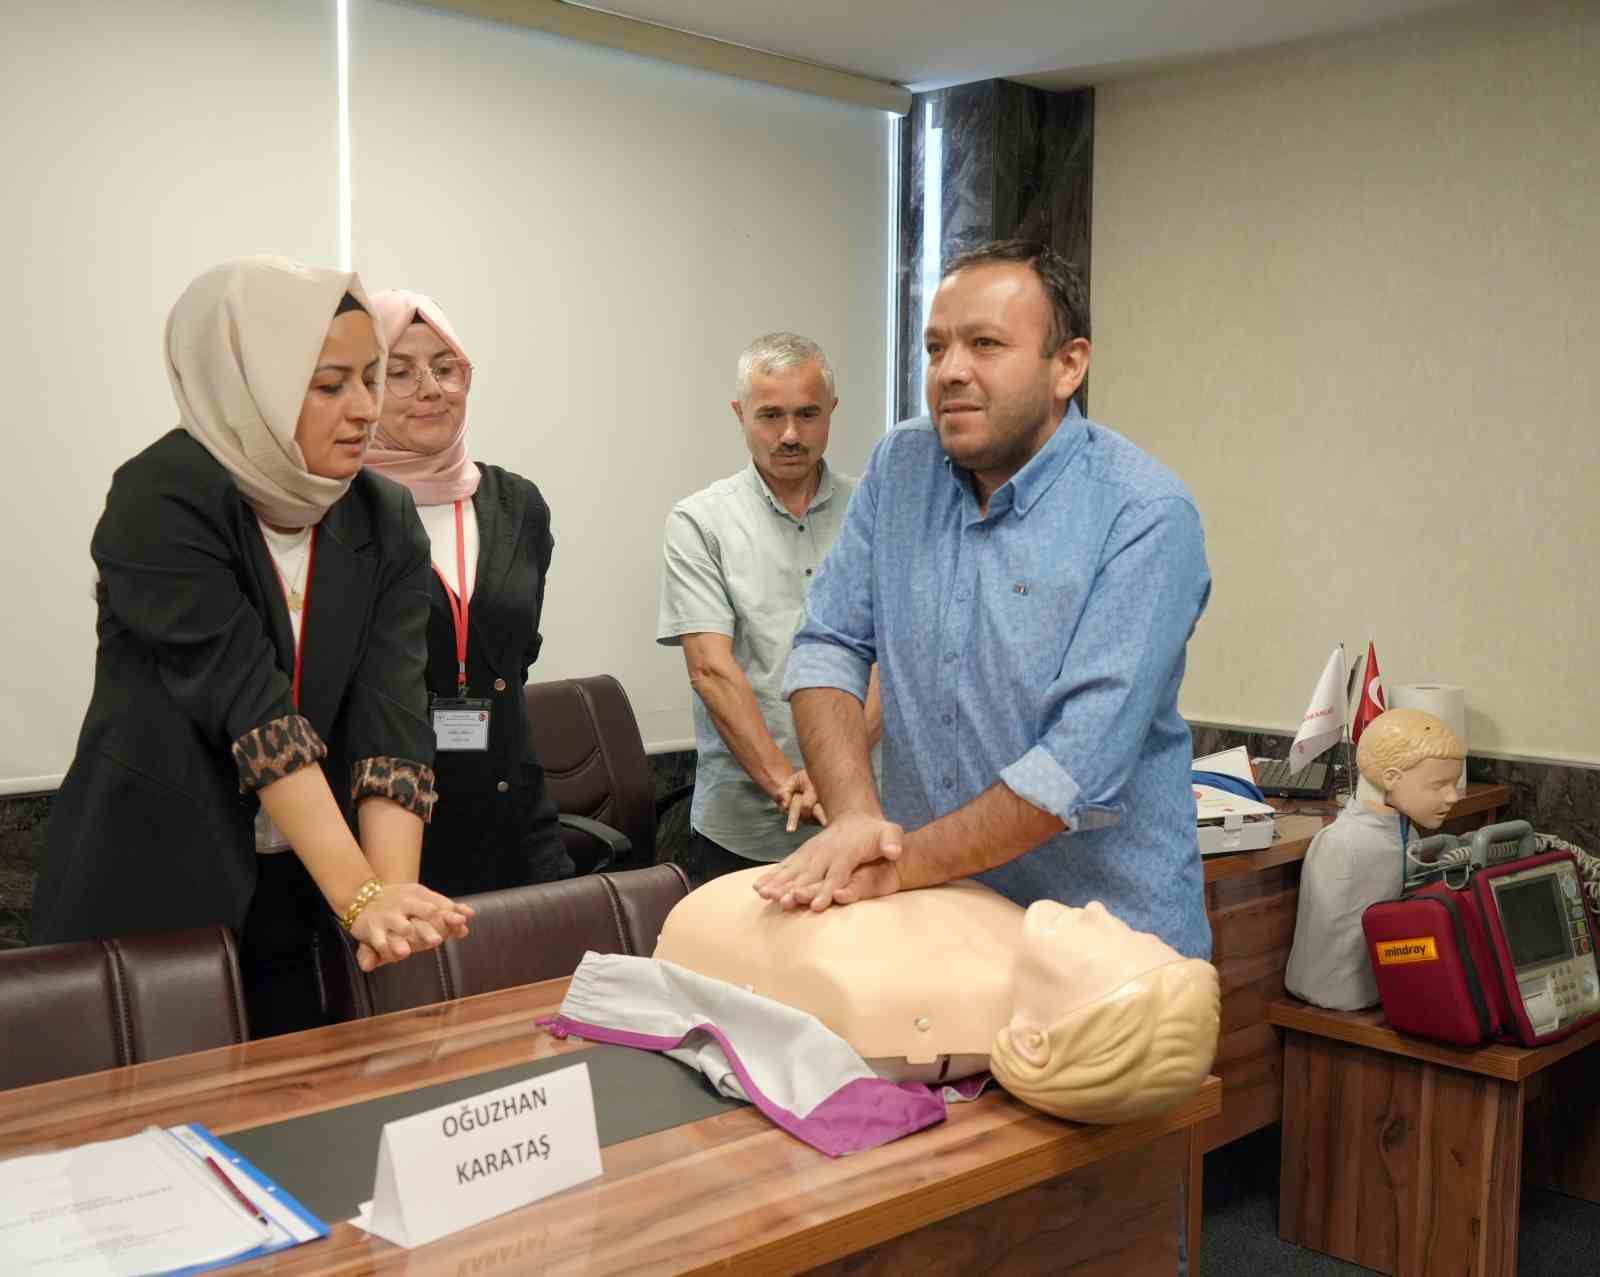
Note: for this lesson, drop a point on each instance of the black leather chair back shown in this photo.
(77, 1008)
(587, 740)
(519, 936)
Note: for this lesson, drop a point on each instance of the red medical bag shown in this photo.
(1509, 955)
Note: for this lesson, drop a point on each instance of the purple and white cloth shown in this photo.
(802, 1075)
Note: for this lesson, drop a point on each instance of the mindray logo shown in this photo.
(1414, 949)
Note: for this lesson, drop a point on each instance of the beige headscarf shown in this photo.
(242, 343)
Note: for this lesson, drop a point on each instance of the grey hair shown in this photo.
(776, 351)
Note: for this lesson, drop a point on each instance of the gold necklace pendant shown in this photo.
(295, 600)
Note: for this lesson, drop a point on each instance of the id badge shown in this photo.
(461, 723)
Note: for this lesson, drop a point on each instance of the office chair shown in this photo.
(520, 936)
(587, 740)
(77, 1008)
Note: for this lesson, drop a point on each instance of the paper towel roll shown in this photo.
(1445, 701)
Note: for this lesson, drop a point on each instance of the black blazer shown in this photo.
(495, 825)
(152, 829)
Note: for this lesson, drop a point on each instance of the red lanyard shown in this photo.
(305, 606)
(458, 603)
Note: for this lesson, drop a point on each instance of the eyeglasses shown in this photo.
(450, 375)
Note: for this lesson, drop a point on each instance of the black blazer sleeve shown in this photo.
(388, 735)
(168, 549)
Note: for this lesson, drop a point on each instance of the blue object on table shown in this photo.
(1231, 784)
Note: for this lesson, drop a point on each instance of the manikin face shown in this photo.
(1070, 957)
(994, 396)
(1425, 793)
(785, 418)
(429, 419)
(341, 402)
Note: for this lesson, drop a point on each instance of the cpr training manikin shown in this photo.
(1408, 762)
(1073, 1011)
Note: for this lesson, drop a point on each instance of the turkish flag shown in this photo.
(1372, 699)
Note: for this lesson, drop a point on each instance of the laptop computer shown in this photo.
(1314, 780)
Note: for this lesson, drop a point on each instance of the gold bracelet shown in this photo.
(368, 893)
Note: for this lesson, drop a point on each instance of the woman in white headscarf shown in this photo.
(257, 748)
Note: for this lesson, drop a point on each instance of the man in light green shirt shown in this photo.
(739, 557)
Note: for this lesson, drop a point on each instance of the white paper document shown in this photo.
(1233, 762)
(457, 1165)
(141, 1204)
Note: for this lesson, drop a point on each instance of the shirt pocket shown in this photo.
(1033, 612)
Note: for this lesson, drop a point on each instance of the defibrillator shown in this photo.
(1491, 940)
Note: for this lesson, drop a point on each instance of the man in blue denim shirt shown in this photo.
(1027, 582)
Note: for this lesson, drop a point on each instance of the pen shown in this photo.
(227, 1183)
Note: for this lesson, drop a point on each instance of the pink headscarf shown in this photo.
(435, 478)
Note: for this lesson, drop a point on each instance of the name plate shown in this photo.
(451, 1167)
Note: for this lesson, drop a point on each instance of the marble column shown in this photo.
(1013, 162)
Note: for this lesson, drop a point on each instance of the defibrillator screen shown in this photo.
(1534, 921)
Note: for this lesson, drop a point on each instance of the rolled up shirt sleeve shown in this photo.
(837, 643)
(1125, 661)
(269, 753)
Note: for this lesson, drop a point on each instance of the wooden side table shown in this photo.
(1406, 1155)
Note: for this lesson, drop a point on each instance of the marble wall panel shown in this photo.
(23, 820)
(1016, 162)
(22, 825)
(1557, 798)
(674, 773)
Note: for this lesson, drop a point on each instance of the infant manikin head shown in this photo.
(926, 984)
(1413, 760)
(1110, 1024)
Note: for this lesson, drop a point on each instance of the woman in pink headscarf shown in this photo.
(495, 825)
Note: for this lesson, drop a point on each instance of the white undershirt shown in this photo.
(291, 554)
(439, 521)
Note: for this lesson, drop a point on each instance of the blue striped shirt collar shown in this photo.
(1023, 489)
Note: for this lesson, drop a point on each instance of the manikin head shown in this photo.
(1094, 1021)
(1109, 1024)
(1413, 760)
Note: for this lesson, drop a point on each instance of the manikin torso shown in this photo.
(919, 983)
(1352, 864)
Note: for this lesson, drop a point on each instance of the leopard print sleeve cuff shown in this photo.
(405, 782)
(273, 750)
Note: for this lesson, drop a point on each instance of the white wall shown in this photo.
(144, 141)
(606, 234)
(1352, 294)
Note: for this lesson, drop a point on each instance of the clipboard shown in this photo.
(292, 1224)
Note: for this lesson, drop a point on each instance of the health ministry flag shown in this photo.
(1372, 699)
(1323, 724)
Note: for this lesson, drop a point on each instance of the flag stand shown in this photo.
(1348, 790)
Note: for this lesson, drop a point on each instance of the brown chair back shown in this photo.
(77, 1008)
(520, 936)
(587, 740)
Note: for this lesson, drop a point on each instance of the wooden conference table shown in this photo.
(997, 1188)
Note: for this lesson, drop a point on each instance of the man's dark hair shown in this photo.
(1063, 283)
